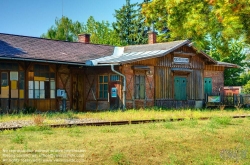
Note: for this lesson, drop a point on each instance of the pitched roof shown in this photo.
(18, 47)
(143, 52)
(227, 65)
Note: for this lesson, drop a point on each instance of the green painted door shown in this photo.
(208, 86)
(180, 88)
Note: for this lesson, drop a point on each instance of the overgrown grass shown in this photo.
(216, 141)
(132, 114)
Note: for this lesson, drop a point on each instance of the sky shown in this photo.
(35, 17)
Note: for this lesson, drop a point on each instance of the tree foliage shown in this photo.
(67, 30)
(130, 25)
(197, 19)
(218, 27)
(101, 32)
(235, 55)
(64, 29)
(246, 88)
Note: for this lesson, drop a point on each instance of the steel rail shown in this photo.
(125, 122)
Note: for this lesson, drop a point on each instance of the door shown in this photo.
(208, 86)
(180, 88)
(113, 95)
(78, 92)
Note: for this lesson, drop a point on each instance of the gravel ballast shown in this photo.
(23, 123)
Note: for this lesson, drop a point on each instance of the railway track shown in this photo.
(125, 122)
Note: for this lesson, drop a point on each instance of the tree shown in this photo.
(245, 77)
(246, 88)
(130, 25)
(101, 32)
(65, 29)
(235, 54)
(200, 19)
(220, 28)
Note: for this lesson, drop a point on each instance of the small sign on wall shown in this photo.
(113, 92)
(214, 99)
(181, 60)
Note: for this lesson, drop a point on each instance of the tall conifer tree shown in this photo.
(130, 24)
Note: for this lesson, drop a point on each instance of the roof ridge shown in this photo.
(52, 39)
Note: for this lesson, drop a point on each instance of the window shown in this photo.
(41, 83)
(21, 85)
(4, 85)
(8, 66)
(114, 77)
(103, 87)
(139, 87)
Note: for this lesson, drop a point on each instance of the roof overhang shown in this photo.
(41, 60)
(227, 65)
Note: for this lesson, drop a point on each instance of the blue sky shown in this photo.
(35, 17)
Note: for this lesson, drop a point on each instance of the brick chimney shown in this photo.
(151, 37)
(84, 38)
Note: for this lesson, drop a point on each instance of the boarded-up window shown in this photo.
(139, 86)
(21, 85)
(103, 87)
(4, 85)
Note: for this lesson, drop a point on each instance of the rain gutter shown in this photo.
(124, 86)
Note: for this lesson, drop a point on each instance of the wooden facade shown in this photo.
(29, 84)
(169, 75)
(162, 76)
(36, 83)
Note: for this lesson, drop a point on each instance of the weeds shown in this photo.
(38, 120)
(221, 120)
(140, 144)
(130, 115)
(119, 158)
(36, 128)
(168, 125)
(189, 122)
(19, 139)
(109, 130)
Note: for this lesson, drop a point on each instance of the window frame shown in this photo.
(42, 83)
(140, 87)
(102, 92)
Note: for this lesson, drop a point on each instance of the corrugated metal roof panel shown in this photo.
(142, 52)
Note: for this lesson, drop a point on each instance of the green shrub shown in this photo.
(19, 139)
(168, 125)
(36, 128)
(222, 120)
(28, 109)
(119, 158)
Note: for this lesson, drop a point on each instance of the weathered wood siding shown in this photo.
(164, 72)
(130, 73)
(91, 88)
(63, 78)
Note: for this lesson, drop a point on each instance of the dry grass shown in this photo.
(38, 119)
(131, 114)
(216, 141)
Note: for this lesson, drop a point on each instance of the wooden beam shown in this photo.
(184, 53)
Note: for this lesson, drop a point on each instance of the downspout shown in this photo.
(124, 86)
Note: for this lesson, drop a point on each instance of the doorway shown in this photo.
(78, 92)
(180, 88)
